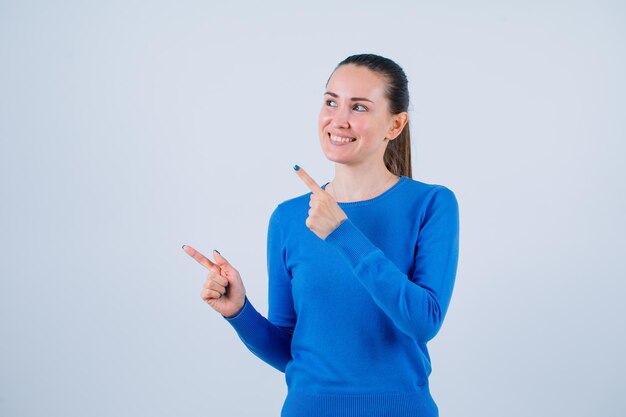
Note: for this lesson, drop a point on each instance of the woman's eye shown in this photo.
(357, 107)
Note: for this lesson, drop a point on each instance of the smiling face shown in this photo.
(354, 121)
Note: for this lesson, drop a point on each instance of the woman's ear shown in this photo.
(398, 122)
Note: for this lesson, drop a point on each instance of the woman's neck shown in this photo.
(357, 183)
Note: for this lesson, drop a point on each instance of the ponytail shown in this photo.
(398, 154)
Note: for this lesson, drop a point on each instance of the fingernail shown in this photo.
(215, 250)
(296, 167)
(183, 247)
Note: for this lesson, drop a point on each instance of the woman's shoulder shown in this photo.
(294, 202)
(424, 191)
(423, 186)
(435, 198)
(292, 207)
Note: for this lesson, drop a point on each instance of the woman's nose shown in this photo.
(341, 119)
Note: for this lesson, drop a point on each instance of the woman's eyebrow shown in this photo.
(352, 99)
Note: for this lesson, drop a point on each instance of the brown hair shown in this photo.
(397, 156)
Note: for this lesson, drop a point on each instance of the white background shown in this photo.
(129, 128)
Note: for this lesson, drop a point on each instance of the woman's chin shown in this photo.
(339, 159)
(336, 155)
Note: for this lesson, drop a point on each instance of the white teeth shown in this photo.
(340, 139)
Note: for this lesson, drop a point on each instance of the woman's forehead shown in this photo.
(356, 81)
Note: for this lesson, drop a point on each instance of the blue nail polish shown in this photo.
(215, 250)
(296, 167)
(183, 247)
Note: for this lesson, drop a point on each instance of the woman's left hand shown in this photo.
(325, 215)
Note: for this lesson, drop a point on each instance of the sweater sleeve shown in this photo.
(418, 303)
(270, 339)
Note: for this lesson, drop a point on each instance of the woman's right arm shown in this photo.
(270, 339)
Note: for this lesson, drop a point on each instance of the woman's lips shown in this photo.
(340, 140)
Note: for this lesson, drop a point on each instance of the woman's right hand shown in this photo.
(223, 289)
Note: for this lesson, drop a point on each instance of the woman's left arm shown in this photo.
(418, 303)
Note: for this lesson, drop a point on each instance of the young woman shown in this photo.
(361, 269)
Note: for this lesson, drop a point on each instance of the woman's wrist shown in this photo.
(239, 310)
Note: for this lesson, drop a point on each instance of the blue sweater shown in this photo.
(349, 317)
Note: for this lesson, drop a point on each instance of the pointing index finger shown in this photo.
(310, 182)
(202, 260)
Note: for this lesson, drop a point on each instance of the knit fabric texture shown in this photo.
(349, 317)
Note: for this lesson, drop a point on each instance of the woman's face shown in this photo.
(354, 120)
